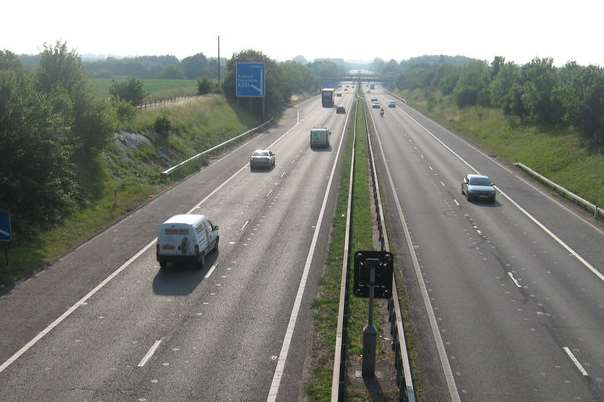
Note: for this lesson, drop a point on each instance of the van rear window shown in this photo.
(177, 231)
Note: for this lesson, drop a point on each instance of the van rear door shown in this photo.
(176, 240)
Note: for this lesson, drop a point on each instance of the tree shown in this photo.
(194, 67)
(9, 61)
(300, 60)
(60, 68)
(539, 81)
(130, 90)
(172, 72)
(501, 85)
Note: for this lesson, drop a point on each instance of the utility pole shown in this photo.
(218, 60)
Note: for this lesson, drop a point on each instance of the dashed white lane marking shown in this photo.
(511, 275)
(283, 174)
(149, 353)
(572, 252)
(442, 183)
(268, 194)
(289, 333)
(575, 361)
(244, 225)
(456, 202)
(430, 167)
(211, 271)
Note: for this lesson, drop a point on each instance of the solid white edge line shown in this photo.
(289, 333)
(511, 275)
(150, 353)
(543, 193)
(210, 271)
(456, 202)
(596, 272)
(575, 361)
(440, 346)
(105, 281)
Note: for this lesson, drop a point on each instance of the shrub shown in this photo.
(162, 126)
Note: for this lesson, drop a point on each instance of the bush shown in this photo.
(125, 111)
(203, 86)
(130, 90)
(162, 126)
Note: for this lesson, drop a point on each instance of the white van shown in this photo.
(186, 238)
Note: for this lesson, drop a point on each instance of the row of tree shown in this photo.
(538, 92)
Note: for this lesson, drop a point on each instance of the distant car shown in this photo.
(375, 105)
(346, 89)
(340, 109)
(374, 99)
(391, 104)
(262, 158)
(478, 187)
(339, 94)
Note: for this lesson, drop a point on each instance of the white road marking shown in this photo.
(244, 225)
(525, 212)
(430, 167)
(210, 271)
(71, 309)
(442, 183)
(456, 202)
(283, 174)
(511, 275)
(268, 194)
(289, 333)
(436, 332)
(149, 353)
(575, 361)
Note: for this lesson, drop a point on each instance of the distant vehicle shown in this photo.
(262, 158)
(327, 97)
(341, 109)
(477, 187)
(319, 138)
(382, 112)
(391, 104)
(371, 86)
(346, 89)
(374, 99)
(375, 105)
(339, 94)
(186, 238)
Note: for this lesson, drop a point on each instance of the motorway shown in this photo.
(104, 323)
(508, 297)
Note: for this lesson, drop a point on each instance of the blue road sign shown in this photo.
(5, 228)
(250, 80)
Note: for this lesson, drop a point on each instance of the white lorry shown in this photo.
(319, 138)
(186, 238)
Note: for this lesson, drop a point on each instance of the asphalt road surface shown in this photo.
(512, 305)
(104, 323)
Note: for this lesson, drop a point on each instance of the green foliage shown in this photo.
(124, 111)
(9, 61)
(162, 126)
(203, 86)
(130, 90)
(38, 180)
(172, 72)
(60, 68)
(196, 66)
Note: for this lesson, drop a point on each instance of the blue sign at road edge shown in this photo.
(5, 226)
(250, 80)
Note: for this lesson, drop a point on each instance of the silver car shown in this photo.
(478, 187)
(262, 159)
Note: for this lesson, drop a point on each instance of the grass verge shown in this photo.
(555, 153)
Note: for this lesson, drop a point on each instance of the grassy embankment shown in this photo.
(127, 176)
(555, 153)
(155, 88)
(325, 306)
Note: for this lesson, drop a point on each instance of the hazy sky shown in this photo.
(516, 29)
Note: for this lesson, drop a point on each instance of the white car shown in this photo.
(186, 238)
(262, 158)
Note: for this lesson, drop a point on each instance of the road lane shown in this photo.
(226, 326)
(503, 341)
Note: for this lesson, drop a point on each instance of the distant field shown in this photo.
(155, 88)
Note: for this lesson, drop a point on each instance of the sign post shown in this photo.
(373, 279)
(250, 82)
(6, 234)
